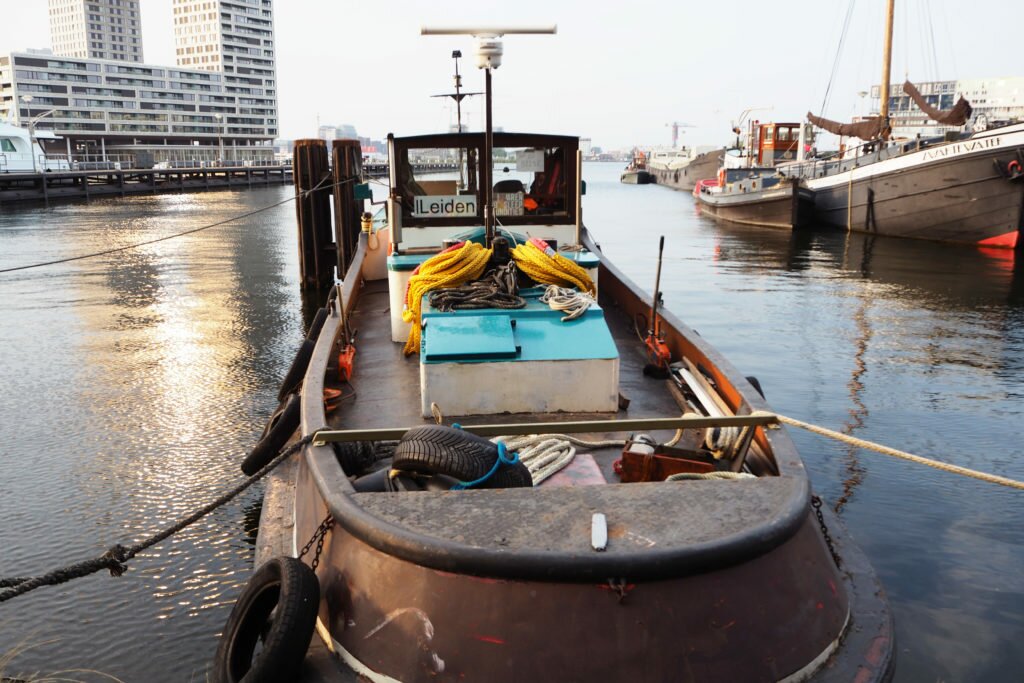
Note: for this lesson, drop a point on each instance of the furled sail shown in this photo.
(869, 129)
(957, 116)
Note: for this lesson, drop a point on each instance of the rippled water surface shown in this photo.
(132, 384)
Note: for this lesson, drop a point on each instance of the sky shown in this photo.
(617, 73)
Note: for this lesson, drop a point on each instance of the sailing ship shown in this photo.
(964, 188)
(449, 546)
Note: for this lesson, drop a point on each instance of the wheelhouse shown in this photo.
(532, 179)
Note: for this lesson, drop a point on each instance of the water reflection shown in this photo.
(144, 377)
(133, 384)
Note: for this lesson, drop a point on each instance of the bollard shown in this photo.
(347, 163)
(313, 213)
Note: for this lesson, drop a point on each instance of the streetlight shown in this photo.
(27, 99)
(220, 137)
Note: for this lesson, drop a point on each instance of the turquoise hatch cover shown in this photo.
(469, 337)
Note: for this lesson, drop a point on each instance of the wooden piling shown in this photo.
(311, 175)
(347, 164)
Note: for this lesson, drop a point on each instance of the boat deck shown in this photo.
(387, 384)
(387, 394)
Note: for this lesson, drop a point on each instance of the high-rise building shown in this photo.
(235, 37)
(218, 106)
(96, 29)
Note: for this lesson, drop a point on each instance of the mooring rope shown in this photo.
(303, 193)
(686, 476)
(886, 450)
(115, 558)
(546, 454)
(499, 289)
(570, 301)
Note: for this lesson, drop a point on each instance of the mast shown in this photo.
(488, 56)
(886, 65)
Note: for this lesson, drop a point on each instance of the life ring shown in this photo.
(1013, 168)
(280, 428)
(289, 589)
(438, 449)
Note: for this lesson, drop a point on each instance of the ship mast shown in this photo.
(886, 65)
(488, 56)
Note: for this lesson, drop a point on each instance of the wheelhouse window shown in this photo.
(441, 179)
(530, 181)
(440, 182)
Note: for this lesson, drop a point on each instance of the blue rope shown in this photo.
(502, 458)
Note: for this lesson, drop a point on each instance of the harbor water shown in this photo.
(132, 385)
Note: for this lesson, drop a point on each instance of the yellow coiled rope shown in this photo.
(447, 269)
(467, 263)
(553, 269)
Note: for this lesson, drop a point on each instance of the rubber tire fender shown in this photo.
(297, 371)
(290, 590)
(438, 449)
(756, 384)
(317, 324)
(280, 428)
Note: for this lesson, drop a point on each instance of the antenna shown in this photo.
(489, 51)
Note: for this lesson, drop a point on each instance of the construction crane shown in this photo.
(675, 132)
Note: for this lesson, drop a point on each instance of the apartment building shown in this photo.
(217, 105)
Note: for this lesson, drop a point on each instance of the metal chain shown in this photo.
(318, 536)
(816, 504)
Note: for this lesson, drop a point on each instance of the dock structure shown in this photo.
(87, 184)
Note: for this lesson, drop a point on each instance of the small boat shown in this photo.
(530, 470)
(758, 196)
(636, 172)
(21, 151)
(751, 190)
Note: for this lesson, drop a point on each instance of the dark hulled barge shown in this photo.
(678, 540)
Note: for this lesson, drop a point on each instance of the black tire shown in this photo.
(757, 385)
(278, 610)
(437, 449)
(317, 324)
(281, 427)
(297, 371)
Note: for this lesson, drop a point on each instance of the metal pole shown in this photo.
(657, 284)
(32, 142)
(488, 166)
(689, 421)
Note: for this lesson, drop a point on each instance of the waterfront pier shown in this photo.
(18, 187)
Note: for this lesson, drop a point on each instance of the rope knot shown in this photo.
(115, 559)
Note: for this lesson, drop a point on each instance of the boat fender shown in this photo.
(466, 457)
(280, 428)
(756, 384)
(275, 613)
(721, 177)
(293, 378)
(317, 324)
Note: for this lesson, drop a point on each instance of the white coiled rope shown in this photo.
(545, 454)
(570, 301)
